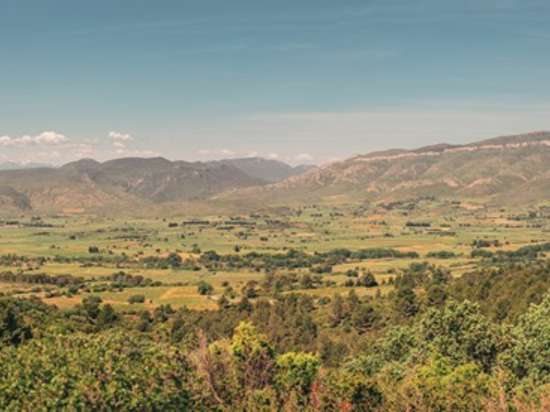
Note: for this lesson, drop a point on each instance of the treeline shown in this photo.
(318, 262)
(15, 260)
(126, 280)
(40, 279)
(530, 252)
(296, 259)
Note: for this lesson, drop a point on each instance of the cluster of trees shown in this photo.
(70, 285)
(529, 252)
(171, 261)
(451, 358)
(442, 254)
(479, 342)
(40, 279)
(320, 262)
(484, 243)
(17, 260)
(125, 280)
(504, 293)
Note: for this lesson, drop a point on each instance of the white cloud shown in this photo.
(227, 152)
(50, 138)
(272, 156)
(120, 141)
(45, 138)
(120, 137)
(55, 148)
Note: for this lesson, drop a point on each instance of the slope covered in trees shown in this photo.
(434, 343)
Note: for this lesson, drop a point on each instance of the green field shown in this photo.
(60, 245)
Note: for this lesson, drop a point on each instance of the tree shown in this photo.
(405, 302)
(174, 260)
(107, 371)
(296, 372)
(436, 295)
(136, 299)
(345, 390)
(364, 317)
(461, 333)
(145, 321)
(161, 313)
(337, 310)
(90, 304)
(438, 385)
(204, 288)
(13, 329)
(528, 355)
(367, 280)
(107, 316)
(253, 355)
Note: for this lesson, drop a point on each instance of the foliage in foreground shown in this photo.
(434, 343)
(450, 358)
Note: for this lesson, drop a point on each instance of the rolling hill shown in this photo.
(122, 183)
(510, 169)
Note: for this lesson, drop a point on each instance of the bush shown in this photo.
(95, 372)
(205, 288)
(136, 299)
(442, 254)
(367, 280)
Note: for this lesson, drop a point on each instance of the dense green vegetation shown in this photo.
(313, 309)
(405, 351)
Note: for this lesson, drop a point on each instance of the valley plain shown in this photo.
(440, 233)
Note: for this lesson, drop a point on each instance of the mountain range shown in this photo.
(135, 183)
(510, 169)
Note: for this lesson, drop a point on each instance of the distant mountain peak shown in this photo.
(269, 170)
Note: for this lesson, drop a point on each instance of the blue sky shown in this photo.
(301, 81)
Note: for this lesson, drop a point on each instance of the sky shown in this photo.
(308, 81)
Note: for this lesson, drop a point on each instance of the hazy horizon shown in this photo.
(292, 162)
